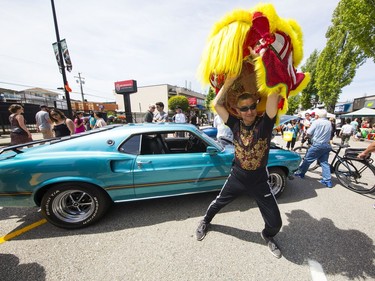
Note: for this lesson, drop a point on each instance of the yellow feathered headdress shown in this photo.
(260, 48)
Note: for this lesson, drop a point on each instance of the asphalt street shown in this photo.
(327, 234)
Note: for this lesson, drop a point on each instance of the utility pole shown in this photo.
(67, 96)
(81, 80)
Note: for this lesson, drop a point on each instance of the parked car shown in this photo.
(75, 179)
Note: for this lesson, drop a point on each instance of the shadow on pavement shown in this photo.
(12, 270)
(350, 253)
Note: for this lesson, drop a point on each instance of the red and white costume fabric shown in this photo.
(255, 41)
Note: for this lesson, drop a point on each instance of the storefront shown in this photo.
(343, 108)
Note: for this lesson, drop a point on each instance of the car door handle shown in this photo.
(140, 163)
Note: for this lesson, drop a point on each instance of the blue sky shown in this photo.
(153, 42)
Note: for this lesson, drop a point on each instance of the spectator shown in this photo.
(194, 119)
(333, 123)
(365, 124)
(354, 124)
(161, 115)
(62, 125)
(370, 148)
(149, 116)
(346, 132)
(179, 117)
(78, 122)
(306, 125)
(92, 120)
(19, 133)
(320, 132)
(99, 120)
(222, 129)
(43, 122)
(294, 128)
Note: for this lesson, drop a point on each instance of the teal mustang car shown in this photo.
(76, 179)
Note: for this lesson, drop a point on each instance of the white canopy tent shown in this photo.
(364, 112)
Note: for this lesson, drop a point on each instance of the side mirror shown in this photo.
(211, 150)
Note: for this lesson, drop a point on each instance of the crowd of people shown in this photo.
(51, 123)
(156, 113)
(319, 131)
(352, 129)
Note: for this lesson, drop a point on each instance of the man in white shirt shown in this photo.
(179, 116)
(346, 132)
(43, 122)
(320, 133)
(222, 129)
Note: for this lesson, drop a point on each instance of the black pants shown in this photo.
(290, 144)
(254, 184)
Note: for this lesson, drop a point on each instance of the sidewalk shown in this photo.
(5, 139)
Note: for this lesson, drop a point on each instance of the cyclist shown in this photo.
(370, 148)
(320, 134)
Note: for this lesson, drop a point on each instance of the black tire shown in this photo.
(356, 175)
(277, 181)
(302, 150)
(74, 205)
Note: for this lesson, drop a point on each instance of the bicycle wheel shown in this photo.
(356, 175)
(302, 150)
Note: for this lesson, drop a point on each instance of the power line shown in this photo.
(47, 88)
(81, 81)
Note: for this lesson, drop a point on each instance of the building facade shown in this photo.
(147, 95)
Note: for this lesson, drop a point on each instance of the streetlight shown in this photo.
(67, 96)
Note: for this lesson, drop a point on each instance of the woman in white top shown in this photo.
(99, 120)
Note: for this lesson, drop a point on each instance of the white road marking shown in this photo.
(317, 272)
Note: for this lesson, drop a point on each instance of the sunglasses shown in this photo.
(246, 108)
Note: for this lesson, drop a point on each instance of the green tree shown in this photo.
(338, 62)
(178, 101)
(357, 17)
(293, 103)
(209, 98)
(310, 90)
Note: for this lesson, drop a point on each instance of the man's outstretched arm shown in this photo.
(218, 102)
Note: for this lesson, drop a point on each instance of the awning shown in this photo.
(343, 108)
(201, 107)
(364, 112)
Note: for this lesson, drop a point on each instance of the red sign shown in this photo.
(192, 101)
(126, 87)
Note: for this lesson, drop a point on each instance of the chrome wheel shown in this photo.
(277, 181)
(73, 206)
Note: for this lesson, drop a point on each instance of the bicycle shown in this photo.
(302, 150)
(353, 173)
